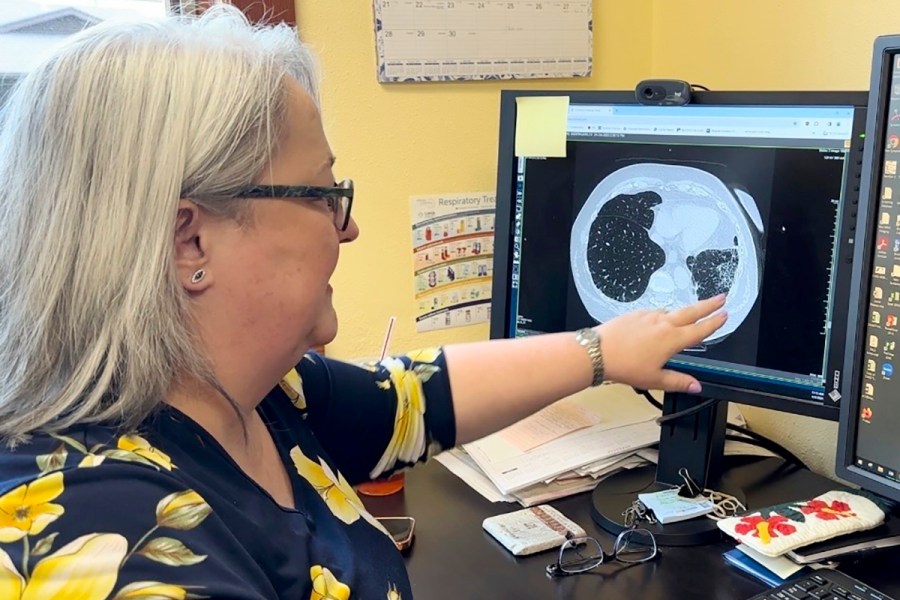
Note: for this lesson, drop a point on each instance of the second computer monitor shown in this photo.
(868, 443)
(750, 194)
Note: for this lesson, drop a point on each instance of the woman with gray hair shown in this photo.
(169, 222)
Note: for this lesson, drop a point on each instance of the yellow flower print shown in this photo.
(425, 355)
(91, 460)
(57, 458)
(153, 590)
(28, 509)
(292, 385)
(393, 594)
(334, 490)
(182, 510)
(407, 442)
(84, 569)
(326, 586)
(141, 447)
(54, 461)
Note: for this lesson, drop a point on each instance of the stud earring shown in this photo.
(198, 276)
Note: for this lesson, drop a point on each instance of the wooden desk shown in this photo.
(454, 559)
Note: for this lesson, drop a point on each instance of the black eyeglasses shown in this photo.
(339, 197)
(579, 555)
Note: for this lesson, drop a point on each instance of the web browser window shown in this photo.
(657, 207)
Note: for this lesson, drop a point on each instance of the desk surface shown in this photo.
(453, 558)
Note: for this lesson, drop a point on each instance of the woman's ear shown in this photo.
(191, 259)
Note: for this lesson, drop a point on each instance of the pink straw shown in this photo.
(387, 338)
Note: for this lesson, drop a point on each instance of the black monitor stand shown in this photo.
(696, 442)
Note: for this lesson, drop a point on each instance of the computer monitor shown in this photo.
(868, 442)
(751, 193)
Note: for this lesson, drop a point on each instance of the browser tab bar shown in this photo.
(815, 123)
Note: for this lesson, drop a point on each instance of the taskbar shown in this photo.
(877, 469)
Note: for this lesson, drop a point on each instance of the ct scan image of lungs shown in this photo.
(662, 236)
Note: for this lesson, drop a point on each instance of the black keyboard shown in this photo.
(824, 584)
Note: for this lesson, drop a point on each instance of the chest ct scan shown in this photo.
(655, 235)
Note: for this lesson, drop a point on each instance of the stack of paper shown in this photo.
(568, 447)
(562, 450)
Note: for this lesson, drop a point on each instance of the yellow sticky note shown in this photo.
(541, 125)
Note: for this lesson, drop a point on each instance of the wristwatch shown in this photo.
(590, 340)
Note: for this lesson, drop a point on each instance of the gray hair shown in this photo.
(97, 145)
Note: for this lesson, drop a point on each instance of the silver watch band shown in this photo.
(590, 340)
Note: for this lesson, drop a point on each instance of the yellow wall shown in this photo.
(769, 44)
(402, 140)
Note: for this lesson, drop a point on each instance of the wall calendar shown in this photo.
(447, 40)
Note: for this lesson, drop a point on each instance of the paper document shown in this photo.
(627, 425)
(549, 424)
(781, 565)
(460, 464)
(453, 254)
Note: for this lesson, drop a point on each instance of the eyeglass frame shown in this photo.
(333, 195)
(556, 569)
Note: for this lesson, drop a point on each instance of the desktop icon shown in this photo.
(897, 245)
(870, 366)
(889, 346)
(894, 297)
(893, 142)
(885, 218)
(895, 271)
(890, 167)
(880, 469)
(878, 292)
(873, 341)
(876, 317)
(890, 321)
(887, 194)
(880, 270)
(869, 389)
(867, 414)
(883, 243)
(887, 370)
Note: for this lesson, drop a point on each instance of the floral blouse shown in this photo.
(164, 513)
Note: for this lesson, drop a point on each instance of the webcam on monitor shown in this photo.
(663, 92)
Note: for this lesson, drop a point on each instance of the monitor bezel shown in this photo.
(885, 49)
(506, 204)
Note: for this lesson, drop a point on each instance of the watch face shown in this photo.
(587, 336)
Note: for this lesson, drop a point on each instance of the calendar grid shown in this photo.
(445, 40)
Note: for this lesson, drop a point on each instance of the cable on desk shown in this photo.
(763, 442)
(746, 436)
(676, 415)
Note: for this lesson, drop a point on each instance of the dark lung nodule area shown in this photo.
(621, 256)
(712, 271)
